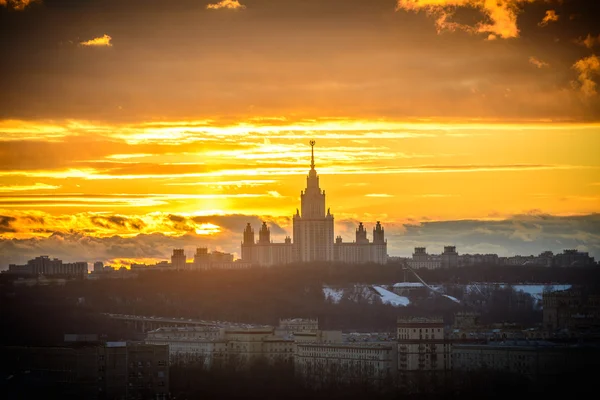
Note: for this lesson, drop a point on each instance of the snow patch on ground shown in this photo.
(454, 299)
(388, 297)
(334, 294)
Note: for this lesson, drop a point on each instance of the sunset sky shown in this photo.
(128, 128)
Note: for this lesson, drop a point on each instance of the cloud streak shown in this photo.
(102, 41)
(22, 188)
(538, 63)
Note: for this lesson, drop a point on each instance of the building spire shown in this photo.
(312, 154)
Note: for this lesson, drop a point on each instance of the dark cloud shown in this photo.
(523, 234)
(5, 224)
(344, 57)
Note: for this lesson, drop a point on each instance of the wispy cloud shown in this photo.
(102, 41)
(589, 41)
(378, 195)
(37, 186)
(236, 183)
(18, 5)
(550, 16)
(538, 63)
(228, 4)
(587, 68)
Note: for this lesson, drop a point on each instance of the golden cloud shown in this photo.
(501, 13)
(550, 16)
(229, 4)
(18, 5)
(587, 67)
(538, 63)
(103, 41)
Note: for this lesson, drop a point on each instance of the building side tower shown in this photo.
(313, 227)
(379, 246)
(378, 234)
(264, 235)
(248, 245)
(361, 234)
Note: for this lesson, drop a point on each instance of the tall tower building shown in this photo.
(178, 259)
(313, 238)
(248, 245)
(313, 227)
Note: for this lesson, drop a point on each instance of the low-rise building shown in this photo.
(237, 346)
(291, 325)
(408, 288)
(420, 259)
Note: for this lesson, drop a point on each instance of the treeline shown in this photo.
(260, 296)
(264, 381)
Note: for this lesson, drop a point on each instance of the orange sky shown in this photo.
(423, 113)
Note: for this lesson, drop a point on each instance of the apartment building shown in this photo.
(325, 363)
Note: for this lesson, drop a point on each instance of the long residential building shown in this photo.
(45, 265)
(325, 363)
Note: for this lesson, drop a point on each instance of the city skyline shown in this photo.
(127, 130)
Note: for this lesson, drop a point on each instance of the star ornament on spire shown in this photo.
(312, 154)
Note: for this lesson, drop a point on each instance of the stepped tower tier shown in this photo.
(313, 226)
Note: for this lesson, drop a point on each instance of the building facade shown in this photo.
(112, 370)
(326, 363)
(313, 235)
(236, 346)
(422, 345)
(420, 259)
(362, 251)
(178, 259)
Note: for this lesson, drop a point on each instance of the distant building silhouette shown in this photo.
(313, 235)
(45, 265)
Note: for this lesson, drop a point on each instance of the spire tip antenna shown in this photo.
(312, 154)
